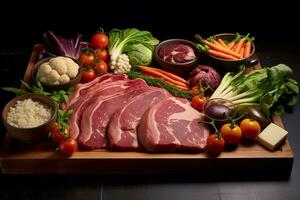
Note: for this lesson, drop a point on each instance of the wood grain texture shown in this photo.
(19, 158)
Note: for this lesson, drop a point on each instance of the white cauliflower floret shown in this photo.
(59, 65)
(72, 68)
(64, 79)
(52, 77)
(43, 79)
(57, 71)
(43, 70)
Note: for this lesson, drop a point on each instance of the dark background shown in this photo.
(275, 27)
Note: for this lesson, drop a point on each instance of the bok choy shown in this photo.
(272, 88)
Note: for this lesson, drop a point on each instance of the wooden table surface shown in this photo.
(14, 55)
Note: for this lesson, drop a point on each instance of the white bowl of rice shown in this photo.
(30, 117)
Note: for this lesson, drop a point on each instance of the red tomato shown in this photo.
(59, 133)
(250, 129)
(68, 147)
(101, 54)
(86, 58)
(215, 144)
(198, 102)
(101, 67)
(231, 135)
(195, 90)
(88, 75)
(99, 40)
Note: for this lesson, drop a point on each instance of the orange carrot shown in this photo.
(157, 74)
(242, 51)
(173, 76)
(222, 43)
(222, 50)
(233, 48)
(217, 43)
(239, 45)
(247, 49)
(178, 86)
(221, 55)
(231, 44)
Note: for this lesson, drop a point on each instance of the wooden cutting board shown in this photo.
(18, 158)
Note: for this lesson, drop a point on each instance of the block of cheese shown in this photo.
(272, 136)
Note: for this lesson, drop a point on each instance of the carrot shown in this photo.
(157, 74)
(222, 50)
(217, 43)
(179, 86)
(173, 76)
(222, 43)
(242, 51)
(221, 55)
(247, 49)
(239, 45)
(231, 44)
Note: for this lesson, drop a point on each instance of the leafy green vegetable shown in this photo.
(63, 117)
(157, 82)
(273, 88)
(138, 45)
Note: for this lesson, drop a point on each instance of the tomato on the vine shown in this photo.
(195, 90)
(88, 75)
(215, 144)
(250, 128)
(99, 40)
(68, 147)
(86, 58)
(101, 54)
(198, 102)
(59, 133)
(101, 67)
(231, 133)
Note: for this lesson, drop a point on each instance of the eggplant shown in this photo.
(254, 113)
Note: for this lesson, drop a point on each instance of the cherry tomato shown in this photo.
(195, 90)
(101, 67)
(250, 128)
(59, 133)
(99, 40)
(68, 147)
(88, 75)
(231, 134)
(86, 58)
(101, 54)
(215, 144)
(198, 102)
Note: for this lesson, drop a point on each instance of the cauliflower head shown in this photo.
(58, 70)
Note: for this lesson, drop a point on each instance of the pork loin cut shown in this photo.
(123, 125)
(96, 116)
(83, 88)
(172, 125)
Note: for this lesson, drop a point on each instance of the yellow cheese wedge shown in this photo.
(272, 136)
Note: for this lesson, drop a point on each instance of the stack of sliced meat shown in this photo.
(115, 112)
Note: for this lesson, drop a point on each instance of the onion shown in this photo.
(206, 74)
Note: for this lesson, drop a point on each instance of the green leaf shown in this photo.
(17, 91)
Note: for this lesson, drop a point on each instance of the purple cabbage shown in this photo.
(207, 75)
(60, 46)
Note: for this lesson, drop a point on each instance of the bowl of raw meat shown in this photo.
(178, 56)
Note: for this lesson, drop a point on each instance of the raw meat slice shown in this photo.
(123, 125)
(172, 125)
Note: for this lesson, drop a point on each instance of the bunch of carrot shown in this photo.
(238, 48)
(168, 77)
